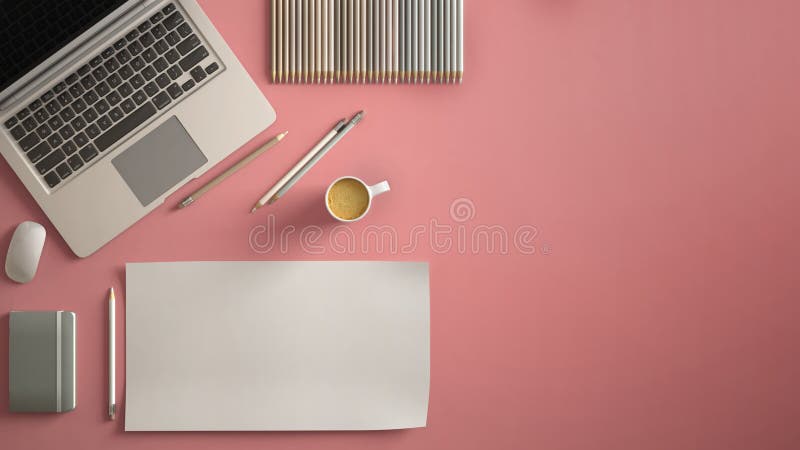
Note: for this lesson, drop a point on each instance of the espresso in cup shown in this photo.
(348, 198)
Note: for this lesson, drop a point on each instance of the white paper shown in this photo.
(311, 345)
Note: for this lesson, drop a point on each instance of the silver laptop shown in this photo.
(108, 106)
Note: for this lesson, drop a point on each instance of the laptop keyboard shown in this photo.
(135, 79)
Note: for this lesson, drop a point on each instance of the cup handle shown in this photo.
(378, 189)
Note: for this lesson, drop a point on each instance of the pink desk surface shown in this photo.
(643, 153)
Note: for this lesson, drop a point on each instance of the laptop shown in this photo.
(109, 106)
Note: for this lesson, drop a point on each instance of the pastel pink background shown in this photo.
(653, 145)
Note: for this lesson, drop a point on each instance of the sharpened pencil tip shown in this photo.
(253, 210)
(111, 293)
(283, 135)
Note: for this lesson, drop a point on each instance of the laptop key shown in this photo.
(79, 106)
(172, 38)
(107, 53)
(63, 170)
(174, 90)
(188, 85)
(52, 179)
(94, 62)
(29, 124)
(111, 65)
(126, 71)
(102, 89)
(88, 153)
(125, 126)
(50, 161)
(104, 122)
(174, 72)
(184, 29)
(47, 96)
(55, 122)
(137, 81)
(90, 115)
(88, 81)
(151, 89)
(147, 40)
(149, 55)
(53, 107)
(36, 104)
(66, 114)
(198, 74)
(149, 73)
(83, 70)
(125, 90)
(173, 20)
(116, 114)
(172, 56)
(69, 148)
(114, 80)
(11, 122)
(161, 100)
(101, 106)
(162, 80)
(23, 114)
(41, 115)
(158, 31)
(128, 106)
(100, 73)
(135, 48)
(156, 18)
(18, 132)
(123, 56)
(59, 87)
(144, 26)
(92, 131)
(161, 46)
(76, 90)
(72, 78)
(113, 98)
(160, 64)
(139, 97)
(168, 9)
(80, 139)
(64, 98)
(29, 141)
(193, 58)
(119, 45)
(78, 124)
(188, 44)
(75, 162)
(132, 35)
(39, 152)
(91, 96)
(43, 131)
(55, 140)
(66, 132)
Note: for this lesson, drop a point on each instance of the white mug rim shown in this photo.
(369, 199)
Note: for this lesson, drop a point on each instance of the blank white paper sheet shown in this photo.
(262, 345)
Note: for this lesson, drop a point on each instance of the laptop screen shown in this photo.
(32, 30)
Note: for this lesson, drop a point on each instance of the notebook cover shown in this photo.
(41, 361)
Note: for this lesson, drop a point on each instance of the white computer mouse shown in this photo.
(24, 251)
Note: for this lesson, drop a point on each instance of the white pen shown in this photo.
(340, 133)
(112, 404)
(311, 153)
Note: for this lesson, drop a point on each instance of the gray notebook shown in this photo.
(41, 361)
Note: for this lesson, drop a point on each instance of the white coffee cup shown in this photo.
(370, 192)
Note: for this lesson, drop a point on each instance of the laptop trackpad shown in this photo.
(159, 160)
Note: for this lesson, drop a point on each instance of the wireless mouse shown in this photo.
(24, 251)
